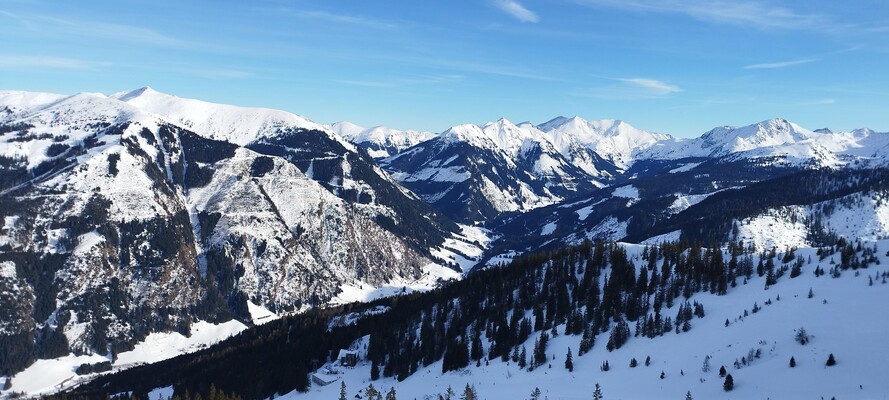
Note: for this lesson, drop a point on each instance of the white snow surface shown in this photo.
(49, 376)
(548, 229)
(628, 191)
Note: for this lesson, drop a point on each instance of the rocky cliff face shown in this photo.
(118, 223)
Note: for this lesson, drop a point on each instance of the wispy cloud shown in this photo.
(403, 81)
(741, 12)
(800, 61)
(780, 64)
(41, 62)
(654, 86)
(630, 89)
(345, 19)
(96, 29)
(219, 73)
(517, 10)
(490, 69)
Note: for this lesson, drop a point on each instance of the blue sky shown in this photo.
(674, 66)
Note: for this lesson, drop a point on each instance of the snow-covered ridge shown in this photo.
(239, 125)
(778, 138)
(380, 140)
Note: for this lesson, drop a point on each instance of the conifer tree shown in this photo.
(449, 394)
(831, 361)
(729, 383)
(391, 394)
(343, 390)
(802, 337)
(374, 371)
(569, 363)
(597, 394)
(371, 392)
(535, 394)
(792, 362)
(688, 395)
(722, 371)
(469, 393)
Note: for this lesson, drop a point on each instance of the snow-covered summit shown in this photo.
(777, 138)
(234, 124)
(615, 140)
(380, 141)
(769, 133)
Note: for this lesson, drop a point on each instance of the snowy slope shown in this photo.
(860, 216)
(840, 307)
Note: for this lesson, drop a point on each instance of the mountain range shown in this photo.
(139, 214)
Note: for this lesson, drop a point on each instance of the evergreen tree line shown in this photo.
(588, 290)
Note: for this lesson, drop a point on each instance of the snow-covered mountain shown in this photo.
(118, 222)
(613, 140)
(780, 141)
(474, 173)
(380, 141)
(140, 214)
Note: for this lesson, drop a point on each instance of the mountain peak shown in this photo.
(142, 91)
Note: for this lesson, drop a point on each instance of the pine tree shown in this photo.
(811, 293)
(523, 358)
(647, 360)
(449, 394)
(633, 363)
(802, 337)
(688, 395)
(535, 394)
(569, 363)
(597, 394)
(371, 392)
(722, 371)
(374, 371)
(792, 362)
(729, 383)
(706, 366)
(831, 361)
(343, 390)
(469, 393)
(391, 394)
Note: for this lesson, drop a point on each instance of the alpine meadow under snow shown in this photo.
(155, 245)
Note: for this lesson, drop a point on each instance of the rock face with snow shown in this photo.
(142, 212)
(474, 173)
